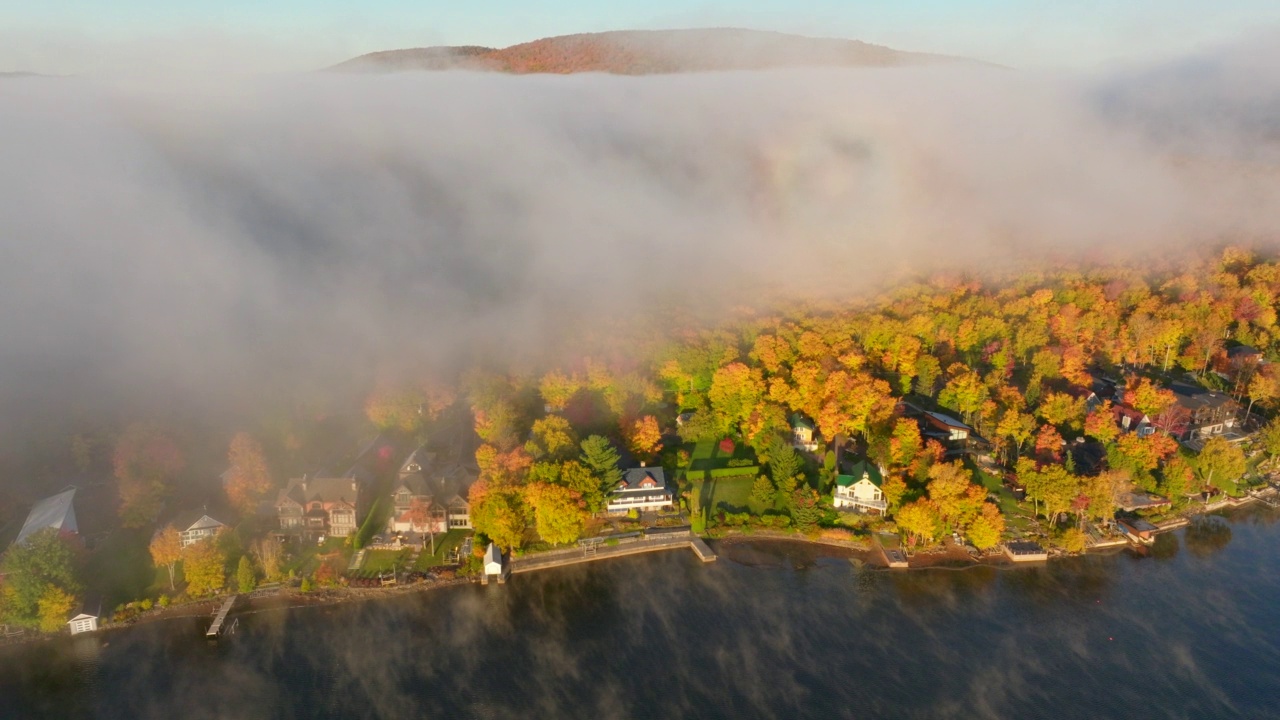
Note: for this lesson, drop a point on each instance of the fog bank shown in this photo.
(197, 244)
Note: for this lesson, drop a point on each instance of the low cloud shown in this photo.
(198, 243)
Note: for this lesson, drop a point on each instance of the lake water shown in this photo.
(1192, 630)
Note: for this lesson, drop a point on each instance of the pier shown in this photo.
(597, 549)
(220, 618)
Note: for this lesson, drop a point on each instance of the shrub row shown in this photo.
(724, 472)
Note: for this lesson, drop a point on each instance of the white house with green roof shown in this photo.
(861, 489)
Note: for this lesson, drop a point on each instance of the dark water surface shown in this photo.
(1190, 631)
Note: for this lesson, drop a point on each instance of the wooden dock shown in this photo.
(701, 550)
(220, 618)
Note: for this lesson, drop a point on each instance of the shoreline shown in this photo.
(950, 557)
(283, 599)
(863, 552)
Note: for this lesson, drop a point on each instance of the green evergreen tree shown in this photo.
(600, 455)
(245, 577)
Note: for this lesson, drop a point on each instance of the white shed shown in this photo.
(84, 622)
(493, 560)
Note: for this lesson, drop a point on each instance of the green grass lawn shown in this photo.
(707, 455)
(303, 562)
(1016, 517)
(444, 544)
(729, 493)
(380, 560)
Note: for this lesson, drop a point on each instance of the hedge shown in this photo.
(734, 471)
(724, 472)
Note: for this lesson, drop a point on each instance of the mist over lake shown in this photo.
(1188, 631)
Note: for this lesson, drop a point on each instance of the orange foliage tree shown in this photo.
(248, 479)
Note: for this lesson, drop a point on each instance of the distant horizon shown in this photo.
(141, 36)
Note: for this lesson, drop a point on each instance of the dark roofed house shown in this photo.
(320, 506)
(958, 438)
(57, 512)
(418, 462)
(1130, 419)
(950, 428)
(1203, 414)
(1088, 394)
(196, 526)
(441, 487)
(1089, 456)
(1244, 355)
(642, 488)
(861, 489)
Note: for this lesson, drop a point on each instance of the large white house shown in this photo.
(860, 489)
(642, 488)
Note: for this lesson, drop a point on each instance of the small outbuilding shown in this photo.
(494, 567)
(1020, 551)
(1138, 529)
(87, 619)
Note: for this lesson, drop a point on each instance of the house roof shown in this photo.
(1193, 397)
(1131, 501)
(196, 520)
(1080, 391)
(419, 457)
(633, 477)
(56, 512)
(798, 421)
(862, 469)
(492, 554)
(415, 483)
(1120, 410)
(946, 420)
(1243, 351)
(326, 490)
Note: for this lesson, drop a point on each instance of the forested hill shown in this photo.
(642, 52)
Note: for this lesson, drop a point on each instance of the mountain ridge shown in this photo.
(645, 52)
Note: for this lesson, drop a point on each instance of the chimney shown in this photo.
(355, 486)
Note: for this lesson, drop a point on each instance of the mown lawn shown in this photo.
(380, 560)
(444, 544)
(707, 456)
(729, 493)
(303, 561)
(1015, 516)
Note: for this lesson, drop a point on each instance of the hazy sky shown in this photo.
(90, 36)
